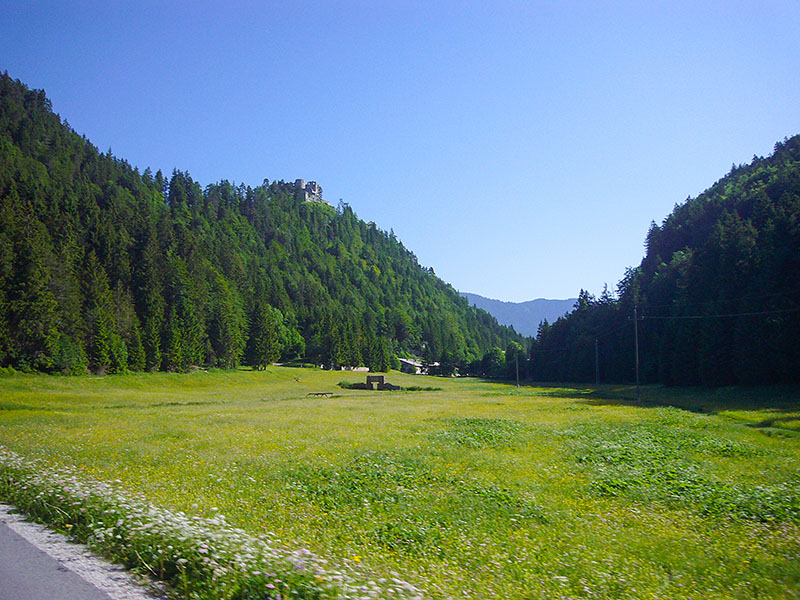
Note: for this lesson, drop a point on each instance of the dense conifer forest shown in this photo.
(105, 269)
(717, 294)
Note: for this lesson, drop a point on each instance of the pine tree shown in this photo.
(98, 304)
(136, 354)
(227, 331)
(29, 309)
(268, 336)
(152, 304)
(71, 356)
(174, 359)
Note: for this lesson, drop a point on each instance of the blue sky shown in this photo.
(520, 148)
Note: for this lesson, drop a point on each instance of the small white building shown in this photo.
(409, 365)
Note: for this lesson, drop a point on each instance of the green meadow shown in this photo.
(473, 490)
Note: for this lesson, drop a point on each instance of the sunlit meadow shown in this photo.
(474, 490)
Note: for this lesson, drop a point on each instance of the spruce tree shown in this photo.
(268, 336)
(100, 323)
(29, 309)
(228, 324)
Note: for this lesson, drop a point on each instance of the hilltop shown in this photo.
(106, 268)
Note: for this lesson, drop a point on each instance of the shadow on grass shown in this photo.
(764, 407)
(161, 404)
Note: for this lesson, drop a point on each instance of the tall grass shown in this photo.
(472, 490)
(204, 558)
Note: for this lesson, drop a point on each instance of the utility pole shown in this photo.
(636, 345)
(516, 361)
(596, 364)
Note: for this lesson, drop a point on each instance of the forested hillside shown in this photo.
(717, 294)
(106, 269)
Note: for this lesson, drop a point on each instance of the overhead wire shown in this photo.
(723, 315)
(787, 294)
(718, 351)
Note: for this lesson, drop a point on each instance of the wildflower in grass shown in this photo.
(194, 554)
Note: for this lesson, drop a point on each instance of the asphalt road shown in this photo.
(27, 573)
(36, 564)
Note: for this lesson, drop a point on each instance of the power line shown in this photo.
(586, 339)
(609, 330)
(722, 316)
(786, 294)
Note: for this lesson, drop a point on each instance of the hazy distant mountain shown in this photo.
(524, 316)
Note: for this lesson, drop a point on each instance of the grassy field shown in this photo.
(476, 490)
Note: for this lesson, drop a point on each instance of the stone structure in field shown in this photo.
(379, 381)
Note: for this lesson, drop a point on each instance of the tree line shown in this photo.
(106, 269)
(716, 297)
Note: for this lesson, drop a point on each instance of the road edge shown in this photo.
(112, 579)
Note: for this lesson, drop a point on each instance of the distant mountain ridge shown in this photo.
(523, 316)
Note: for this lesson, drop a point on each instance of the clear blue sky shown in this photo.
(519, 148)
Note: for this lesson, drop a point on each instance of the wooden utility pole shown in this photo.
(516, 361)
(636, 346)
(596, 364)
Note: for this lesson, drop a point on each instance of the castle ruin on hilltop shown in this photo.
(309, 192)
